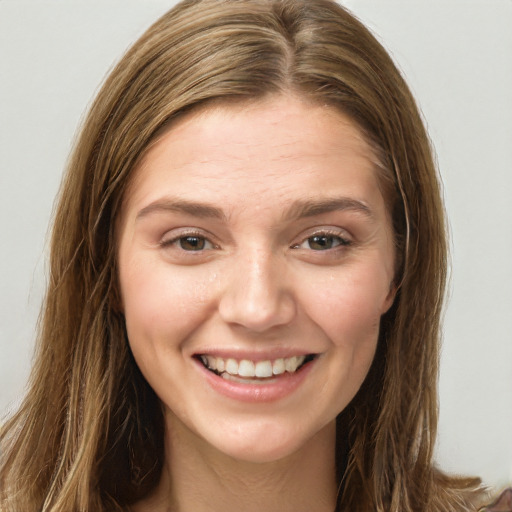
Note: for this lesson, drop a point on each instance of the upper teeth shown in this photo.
(247, 368)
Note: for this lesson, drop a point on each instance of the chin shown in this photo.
(266, 442)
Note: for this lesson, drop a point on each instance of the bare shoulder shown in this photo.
(502, 504)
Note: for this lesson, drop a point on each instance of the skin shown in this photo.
(268, 177)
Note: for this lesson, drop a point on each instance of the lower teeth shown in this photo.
(246, 380)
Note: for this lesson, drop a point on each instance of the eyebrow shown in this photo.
(311, 207)
(195, 209)
(299, 209)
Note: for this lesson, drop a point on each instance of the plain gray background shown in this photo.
(457, 57)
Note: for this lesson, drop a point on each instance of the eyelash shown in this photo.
(342, 241)
(334, 236)
(177, 240)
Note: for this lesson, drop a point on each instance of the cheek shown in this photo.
(348, 308)
(160, 305)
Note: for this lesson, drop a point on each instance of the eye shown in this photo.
(322, 242)
(192, 242)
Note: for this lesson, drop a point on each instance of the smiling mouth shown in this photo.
(254, 371)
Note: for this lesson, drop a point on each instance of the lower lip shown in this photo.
(276, 389)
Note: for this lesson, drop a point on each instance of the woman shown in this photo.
(247, 272)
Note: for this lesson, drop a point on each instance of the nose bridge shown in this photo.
(257, 294)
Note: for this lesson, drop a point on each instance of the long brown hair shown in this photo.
(89, 434)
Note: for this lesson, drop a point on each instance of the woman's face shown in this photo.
(255, 261)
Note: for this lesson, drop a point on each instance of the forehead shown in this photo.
(272, 147)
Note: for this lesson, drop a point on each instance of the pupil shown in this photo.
(321, 242)
(192, 243)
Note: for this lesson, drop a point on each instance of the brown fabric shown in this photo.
(502, 504)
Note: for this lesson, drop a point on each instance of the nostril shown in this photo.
(257, 313)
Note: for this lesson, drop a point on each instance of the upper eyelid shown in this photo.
(331, 231)
(177, 233)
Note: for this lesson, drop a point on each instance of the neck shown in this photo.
(197, 477)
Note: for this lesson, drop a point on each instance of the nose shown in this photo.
(257, 294)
